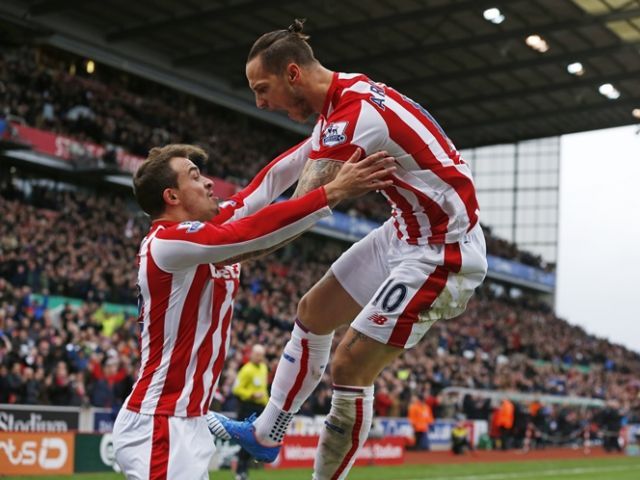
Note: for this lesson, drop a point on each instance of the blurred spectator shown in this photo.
(505, 415)
(251, 389)
(421, 418)
(460, 438)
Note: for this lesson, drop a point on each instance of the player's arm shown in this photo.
(271, 182)
(339, 141)
(195, 243)
(316, 173)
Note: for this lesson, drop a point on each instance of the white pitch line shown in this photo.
(536, 474)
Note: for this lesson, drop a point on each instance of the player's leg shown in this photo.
(189, 448)
(357, 362)
(305, 356)
(427, 284)
(133, 444)
(334, 301)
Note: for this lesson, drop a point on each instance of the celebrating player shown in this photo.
(420, 266)
(188, 279)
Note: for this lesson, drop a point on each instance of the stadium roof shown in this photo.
(476, 75)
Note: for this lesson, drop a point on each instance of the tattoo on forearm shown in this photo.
(315, 174)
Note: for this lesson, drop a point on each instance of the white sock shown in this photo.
(300, 369)
(346, 428)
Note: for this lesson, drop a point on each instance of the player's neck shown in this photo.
(176, 215)
(320, 79)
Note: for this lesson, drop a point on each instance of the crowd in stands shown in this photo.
(79, 244)
(69, 243)
(110, 108)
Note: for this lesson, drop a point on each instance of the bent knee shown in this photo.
(307, 313)
(346, 369)
(340, 370)
(305, 308)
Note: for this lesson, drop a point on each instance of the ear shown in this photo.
(293, 73)
(170, 197)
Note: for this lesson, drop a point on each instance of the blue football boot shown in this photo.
(243, 433)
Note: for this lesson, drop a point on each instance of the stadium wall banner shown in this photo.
(38, 418)
(382, 426)
(94, 453)
(391, 427)
(67, 148)
(299, 451)
(103, 420)
(36, 453)
(632, 433)
(523, 272)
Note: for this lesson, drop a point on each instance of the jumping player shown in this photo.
(188, 279)
(420, 266)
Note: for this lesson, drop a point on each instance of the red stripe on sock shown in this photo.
(297, 385)
(355, 440)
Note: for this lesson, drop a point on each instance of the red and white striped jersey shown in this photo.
(433, 199)
(187, 290)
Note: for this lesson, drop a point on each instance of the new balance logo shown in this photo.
(378, 319)
(289, 358)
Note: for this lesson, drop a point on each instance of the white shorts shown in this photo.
(403, 288)
(158, 447)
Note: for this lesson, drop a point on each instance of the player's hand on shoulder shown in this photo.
(359, 176)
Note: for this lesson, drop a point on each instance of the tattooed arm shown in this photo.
(316, 173)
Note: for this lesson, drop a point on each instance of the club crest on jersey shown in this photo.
(334, 134)
(191, 227)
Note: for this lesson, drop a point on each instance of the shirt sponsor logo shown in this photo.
(228, 272)
(334, 134)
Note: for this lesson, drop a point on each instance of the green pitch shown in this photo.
(618, 468)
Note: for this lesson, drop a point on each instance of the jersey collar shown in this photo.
(161, 223)
(328, 101)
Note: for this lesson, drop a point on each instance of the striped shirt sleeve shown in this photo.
(271, 182)
(187, 244)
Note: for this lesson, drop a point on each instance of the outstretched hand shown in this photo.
(357, 177)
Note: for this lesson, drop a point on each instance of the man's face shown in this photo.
(195, 191)
(278, 92)
(257, 355)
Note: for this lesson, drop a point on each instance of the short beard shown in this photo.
(301, 105)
